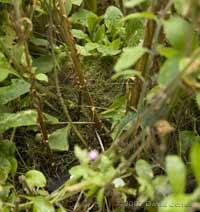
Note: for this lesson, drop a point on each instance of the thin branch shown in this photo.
(69, 39)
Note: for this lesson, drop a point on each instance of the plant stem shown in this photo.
(142, 63)
(28, 68)
(76, 62)
(56, 67)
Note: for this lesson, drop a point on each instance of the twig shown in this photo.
(56, 67)
(76, 61)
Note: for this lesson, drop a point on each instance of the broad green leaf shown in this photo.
(133, 3)
(186, 138)
(40, 204)
(100, 34)
(5, 68)
(81, 154)
(92, 21)
(143, 170)
(161, 185)
(68, 6)
(35, 178)
(88, 49)
(112, 18)
(42, 77)
(178, 31)
(166, 51)
(17, 88)
(43, 64)
(39, 41)
(79, 34)
(146, 189)
(6, 1)
(13, 163)
(129, 57)
(182, 6)
(195, 158)
(122, 125)
(107, 50)
(100, 197)
(175, 203)
(7, 148)
(58, 140)
(169, 70)
(175, 166)
(198, 99)
(147, 15)
(92, 191)
(22, 118)
(81, 17)
(61, 209)
(5, 168)
(77, 2)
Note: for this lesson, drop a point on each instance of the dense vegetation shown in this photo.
(99, 105)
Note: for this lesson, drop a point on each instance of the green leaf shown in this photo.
(195, 158)
(107, 50)
(81, 17)
(58, 140)
(43, 64)
(177, 31)
(144, 170)
(88, 49)
(42, 77)
(40, 204)
(186, 138)
(198, 98)
(13, 163)
(81, 154)
(182, 6)
(6, 1)
(35, 178)
(17, 88)
(169, 70)
(133, 3)
(7, 148)
(22, 118)
(39, 41)
(5, 168)
(68, 6)
(112, 18)
(147, 15)
(100, 34)
(92, 21)
(166, 51)
(61, 209)
(80, 34)
(121, 126)
(100, 197)
(5, 68)
(175, 203)
(175, 166)
(77, 2)
(129, 57)
(161, 185)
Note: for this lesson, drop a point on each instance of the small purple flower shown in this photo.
(93, 154)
